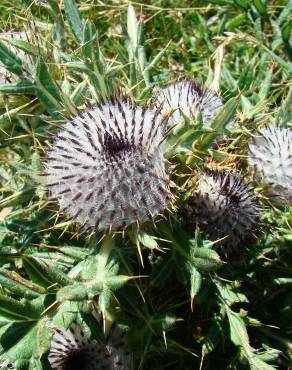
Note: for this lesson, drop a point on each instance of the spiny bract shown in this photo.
(72, 350)
(224, 206)
(270, 158)
(188, 98)
(106, 166)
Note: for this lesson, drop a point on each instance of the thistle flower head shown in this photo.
(270, 157)
(106, 166)
(188, 98)
(224, 207)
(72, 350)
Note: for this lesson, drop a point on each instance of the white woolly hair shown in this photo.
(107, 168)
(5, 75)
(7, 365)
(270, 159)
(188, 98)
(224, 206)
(72, 349)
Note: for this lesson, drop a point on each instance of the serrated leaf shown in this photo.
(238, 332)
(229, 295)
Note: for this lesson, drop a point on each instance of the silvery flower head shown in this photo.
(224, 207)
(186, 99)
(270, 158)
(107, 168)
(72, 350)
(5, 75)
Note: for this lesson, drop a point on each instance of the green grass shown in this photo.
(183, 313)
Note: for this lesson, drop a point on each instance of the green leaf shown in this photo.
(238, 332)
(242, 4)
(230, 295)
(47, 91)
(265, 85)
(75, 20)
(23, 87)
(27, 47)
(146, 240)
(97, 80)
(23, 350)
(239, 336)
(75, 292)
(286, 31)
(75, 252)
(18, 285)
(44, 273)
(204, 259)
(59, 32)
(132, 28)
(212, 338)
(10, 60)
(16, 310)
(195, 283)
(260, 6)
(90, 47)
(220, 122)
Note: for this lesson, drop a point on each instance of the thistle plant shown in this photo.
(270, 160)
(106, 166)
(188, 98)
(225, 208)
(109, 165)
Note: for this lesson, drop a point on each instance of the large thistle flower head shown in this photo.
(106, 166)
(186, 99)
(270, 158)
(72, 350)
(224, 207)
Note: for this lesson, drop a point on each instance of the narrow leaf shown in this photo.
(74, 18)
